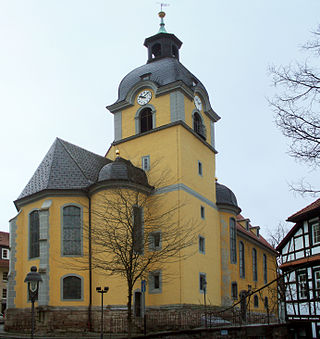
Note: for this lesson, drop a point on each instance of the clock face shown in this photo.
(197, 102)
(144, 97)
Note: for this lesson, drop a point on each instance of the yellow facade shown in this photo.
(181, 160)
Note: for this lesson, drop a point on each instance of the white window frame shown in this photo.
(152, 288)
(302, 285)
(145, 163)
(5, 276)
(315, 233)
(5, 250)
(200, 168)
(202, 244)
(317, 283)
(152, 239)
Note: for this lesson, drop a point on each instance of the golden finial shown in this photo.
(117, 153)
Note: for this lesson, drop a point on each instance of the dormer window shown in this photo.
(198, 126)
(156, 51)
(145, 120)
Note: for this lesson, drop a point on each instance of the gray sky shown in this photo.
(61, 63)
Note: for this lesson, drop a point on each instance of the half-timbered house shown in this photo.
(300, 264)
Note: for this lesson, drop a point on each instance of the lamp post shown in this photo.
(33, 278)
(102, 291)
(205, 301)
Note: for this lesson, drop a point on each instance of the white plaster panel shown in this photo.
(306, 240)
(299, 243)
(285, 249)
(299, 232)
(299, 254)
(317, 308)
(316, 250)
(305, 227)
(304, 308)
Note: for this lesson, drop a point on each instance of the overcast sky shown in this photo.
(61, 63)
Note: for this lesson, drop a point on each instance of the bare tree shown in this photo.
(297, 106)
(133, 233)
(276, 235)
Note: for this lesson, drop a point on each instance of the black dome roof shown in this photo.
(162, 72)
(122, 169)
(226, 197)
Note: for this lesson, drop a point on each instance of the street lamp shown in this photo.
(33, 278)
(102, 291)
(205, 302)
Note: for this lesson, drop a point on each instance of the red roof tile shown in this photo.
(301, 261)
(297, 216)
(250, 234)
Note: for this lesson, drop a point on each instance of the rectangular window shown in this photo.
(5, 276)
(317, 284)
(234, 291)
(145, 163)
(202, 212)
(155, 241)
(5, 253)
(4, 293)
(201, 244)
(202, 283)
(199, 168)
(138, 229)
(155, 282)
(302, 284)
(34, 234)
(315, 232)
(71, 226)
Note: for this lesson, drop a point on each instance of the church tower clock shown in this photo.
(164, 123)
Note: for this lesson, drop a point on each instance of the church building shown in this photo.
(164, 149)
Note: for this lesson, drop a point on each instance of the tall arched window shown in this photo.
(71, 288)
(198, 126)
(265, 269)
(34, 234)
(71, 243)
(241, 260)
(255, 301)
(233, 243)
(254, 265)
(146, 120)
(156, 50)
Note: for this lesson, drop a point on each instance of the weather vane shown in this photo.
(162, 4)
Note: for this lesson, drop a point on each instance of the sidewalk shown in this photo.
(80, 335)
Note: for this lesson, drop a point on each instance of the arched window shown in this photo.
(198, 126)
(254, 265)
(156, 51)
(234, 291)
(71, 225)
(233, 243)
(34, 234)
(266, 303)
(241, 260)
(265, 269)
(175, 52)
(145, 120)
(255, 301)
(71, 288)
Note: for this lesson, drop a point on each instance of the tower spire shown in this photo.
(162, 14)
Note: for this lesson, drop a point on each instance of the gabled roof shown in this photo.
(65, 166)
(305, 212)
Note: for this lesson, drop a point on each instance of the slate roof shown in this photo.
(65, 166)
(163, 72)
(225, 196)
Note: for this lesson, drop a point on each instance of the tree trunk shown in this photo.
(129, 311)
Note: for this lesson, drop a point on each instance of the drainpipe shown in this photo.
(90, 270)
